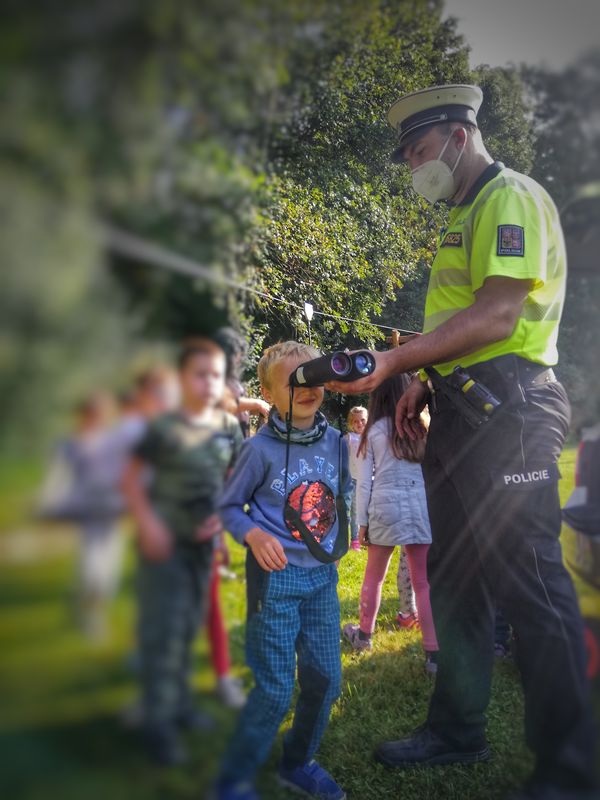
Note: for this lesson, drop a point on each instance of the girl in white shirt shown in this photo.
(392, 511)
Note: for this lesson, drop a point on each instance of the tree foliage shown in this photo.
(249, 135)
(339, 226)
(566, 124)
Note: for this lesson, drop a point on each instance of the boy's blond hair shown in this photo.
(356, 410)
(278, 352)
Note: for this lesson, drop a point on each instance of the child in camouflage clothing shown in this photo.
(189, 452)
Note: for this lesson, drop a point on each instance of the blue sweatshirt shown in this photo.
(258, 481)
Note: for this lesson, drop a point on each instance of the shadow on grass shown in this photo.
(99, 758)
(385, 696)
(54, 754)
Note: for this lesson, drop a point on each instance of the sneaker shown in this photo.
(163, 746)
(231, 693)
(233, 791)
(351, 632)
(355, 544)
(408, 621)
(426, 748)
(431, 658)
(311, 780)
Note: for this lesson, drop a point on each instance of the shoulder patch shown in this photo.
(453, 239)
(511, 240)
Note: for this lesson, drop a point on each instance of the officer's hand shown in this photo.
(363, 535)
(383, 369)
(409, 408)
(155, 540)
(267, 550)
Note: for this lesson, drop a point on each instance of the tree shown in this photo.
(249, 136)
(339, 226)
(566, 124)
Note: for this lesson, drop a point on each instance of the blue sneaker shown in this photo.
(311, 780)
(242, 790)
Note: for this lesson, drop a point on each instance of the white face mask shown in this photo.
(434, 180)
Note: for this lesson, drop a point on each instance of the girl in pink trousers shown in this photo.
(392, 511)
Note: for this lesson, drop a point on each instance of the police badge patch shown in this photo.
(453, 239)
(511, 240)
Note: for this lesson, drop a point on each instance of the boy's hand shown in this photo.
(212, 526)
(363, 535)
(267, 550)
(155, 540)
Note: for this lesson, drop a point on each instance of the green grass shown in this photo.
(60, 696)
(17, 477)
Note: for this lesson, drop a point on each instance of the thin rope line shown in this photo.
(140, 249)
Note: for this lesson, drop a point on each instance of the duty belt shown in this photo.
(513, 369)
(507, 378)
(535, 374)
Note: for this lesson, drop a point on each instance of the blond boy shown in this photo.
(293, 609)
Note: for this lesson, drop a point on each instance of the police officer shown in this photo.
(493, 307)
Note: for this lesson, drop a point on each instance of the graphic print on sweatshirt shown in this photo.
(315, 503)
(313, 499)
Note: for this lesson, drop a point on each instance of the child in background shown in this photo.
(189, 451)
(357, 419)
(242, 407)
(229, 688)
(87, 493)
(392, 510)
(407, 616)
(154, 392)
(238, 403)
(289, 479)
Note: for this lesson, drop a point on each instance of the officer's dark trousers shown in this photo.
(172, 598)
(495, 516)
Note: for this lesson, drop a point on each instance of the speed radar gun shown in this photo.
(338, 366)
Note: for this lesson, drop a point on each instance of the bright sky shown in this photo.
(553, 32)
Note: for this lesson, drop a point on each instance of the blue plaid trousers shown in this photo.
(293, 619)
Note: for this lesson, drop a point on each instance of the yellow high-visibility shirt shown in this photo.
(508, 226)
